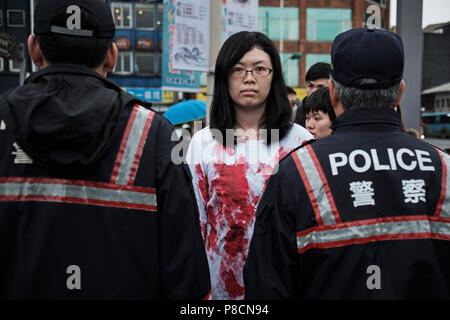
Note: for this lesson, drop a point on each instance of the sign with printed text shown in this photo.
(151, 95)
(191, 35)
(239, 15)
(174, 79)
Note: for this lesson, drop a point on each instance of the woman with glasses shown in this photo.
(250, 131)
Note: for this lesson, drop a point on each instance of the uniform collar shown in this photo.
(66, 68)
(367, 116)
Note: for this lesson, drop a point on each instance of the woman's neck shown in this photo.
(248, 121)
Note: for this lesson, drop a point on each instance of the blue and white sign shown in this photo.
(174, 79)
(191, 37)
(152, 95)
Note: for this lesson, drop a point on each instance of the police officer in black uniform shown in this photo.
(91, 204)
(363, 213)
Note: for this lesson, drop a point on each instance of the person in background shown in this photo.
(316, 78)
(91, 204)
(410, 131)
(363, 213)
(319, 113)
(413, 132)
(250, 131)
(292, 97)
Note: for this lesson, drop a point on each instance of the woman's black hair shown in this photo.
(277, 114)
(58, 48)
(319, 100)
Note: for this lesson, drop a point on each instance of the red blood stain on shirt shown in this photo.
(220, 151)
(202, 182)
(235, 241)
(231, 285)
(234, 212)
(282, 153)
(266, 171)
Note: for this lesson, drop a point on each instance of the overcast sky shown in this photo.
(434, 11)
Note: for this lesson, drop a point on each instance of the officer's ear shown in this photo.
(334, 97)
(111, 57)
(110, 60)
(400, 93)
(34, 50)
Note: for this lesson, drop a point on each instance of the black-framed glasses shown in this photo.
(259, 72)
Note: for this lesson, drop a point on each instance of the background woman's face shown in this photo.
(251, 91)
(318, 124)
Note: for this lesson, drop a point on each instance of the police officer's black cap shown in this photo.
(46, 9)
(365, 53)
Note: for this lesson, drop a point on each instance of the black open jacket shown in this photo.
(60, 206)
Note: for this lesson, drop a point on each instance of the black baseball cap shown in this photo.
(367, 53)
(46, 9)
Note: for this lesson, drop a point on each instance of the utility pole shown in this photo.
(409, 27)
(215, 42)
(281, 28)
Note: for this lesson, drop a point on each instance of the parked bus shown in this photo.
(436, 124)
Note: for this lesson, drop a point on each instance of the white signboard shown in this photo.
(239, 15)
(191, 35)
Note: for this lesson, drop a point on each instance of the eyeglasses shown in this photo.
(258, 72)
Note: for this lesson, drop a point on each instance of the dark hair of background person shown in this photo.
(319, 70)
(58, 48)
(278, 111)
(290, 90)
(319, 100)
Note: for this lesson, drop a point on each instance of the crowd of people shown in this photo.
(327, 198)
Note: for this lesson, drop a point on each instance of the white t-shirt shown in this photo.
(228, 185)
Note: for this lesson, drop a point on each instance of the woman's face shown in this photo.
(318, 124)
(251, 89)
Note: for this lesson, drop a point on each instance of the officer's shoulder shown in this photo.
(434, 147)
(4, 98)
(158, 119)
(289, 155)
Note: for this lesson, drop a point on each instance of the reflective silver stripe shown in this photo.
(132, 145)
(317, 186)
(373, 232)
(118, 197)
(446, 204)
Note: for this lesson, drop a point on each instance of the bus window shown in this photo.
(436, 124)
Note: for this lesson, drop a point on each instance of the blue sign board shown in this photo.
(152, 95)
(172, 79)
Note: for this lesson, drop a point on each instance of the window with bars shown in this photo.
(159, 16)
(14, 66)
(15, 18)
(145, 62)
(144, 15)
(325, 24)
(124, 63)
(269, 22)
(290, 69)
(314, 58)
(122, 13)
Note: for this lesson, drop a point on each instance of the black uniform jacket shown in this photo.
(361, 214)
(91, 205)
